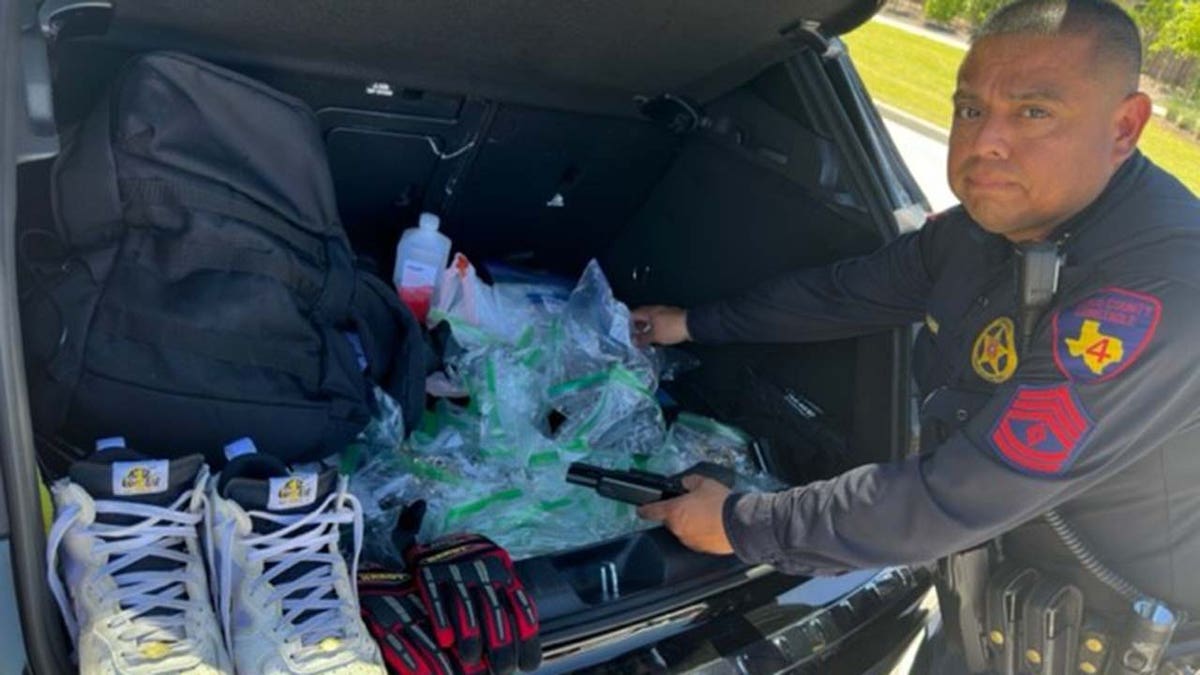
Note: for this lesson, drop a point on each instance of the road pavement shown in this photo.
(926, 159)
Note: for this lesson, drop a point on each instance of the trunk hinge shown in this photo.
(808, 33)
(73, 18)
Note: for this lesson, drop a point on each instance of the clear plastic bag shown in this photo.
(530, 511)
(537, 513)
(505, 385)
(608, 411)
(693, 439)
(597, 333)
(552, 378)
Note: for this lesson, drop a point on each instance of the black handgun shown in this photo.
(632, 487)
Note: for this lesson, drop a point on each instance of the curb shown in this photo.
(916, 124)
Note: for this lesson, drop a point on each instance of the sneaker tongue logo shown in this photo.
(131, 479)
(289, 492)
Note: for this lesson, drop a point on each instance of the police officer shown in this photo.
(1087, 402)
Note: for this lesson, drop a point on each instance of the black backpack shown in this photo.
(198, 286)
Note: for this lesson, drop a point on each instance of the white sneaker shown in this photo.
(126, 535)
(286, 600)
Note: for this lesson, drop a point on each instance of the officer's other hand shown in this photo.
(695, 517)
(659, 325)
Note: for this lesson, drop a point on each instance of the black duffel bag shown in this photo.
(201, 287)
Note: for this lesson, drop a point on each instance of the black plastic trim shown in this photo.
(44, 638)
(763, 627)
(38, 137)
(818, 80)
(897, 178)
(831, 117)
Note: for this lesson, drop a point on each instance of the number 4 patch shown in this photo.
(1103, 334)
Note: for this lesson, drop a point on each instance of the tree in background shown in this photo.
(971, 11)
(1181, 33)
(1153, 15)
(1172, 32)
(944, 11)
(1171, 29)
(978, 10)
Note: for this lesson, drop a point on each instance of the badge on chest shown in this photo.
(994, 354)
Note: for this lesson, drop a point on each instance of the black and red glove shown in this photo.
(477, 606)
(395, 614)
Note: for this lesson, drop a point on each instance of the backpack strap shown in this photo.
(333, 307)
(162, 204)
(158, 330)
(146, 198)
(398, 356)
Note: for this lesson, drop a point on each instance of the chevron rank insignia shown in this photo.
(1041, 429)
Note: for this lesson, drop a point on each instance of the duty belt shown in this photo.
(1015, 619)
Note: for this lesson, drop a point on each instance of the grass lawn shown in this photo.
(916, 75)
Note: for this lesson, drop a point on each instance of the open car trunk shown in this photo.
(550, 163)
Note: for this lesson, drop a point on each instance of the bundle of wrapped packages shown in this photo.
(547, 376)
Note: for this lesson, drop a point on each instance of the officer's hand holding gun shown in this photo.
(689, 506)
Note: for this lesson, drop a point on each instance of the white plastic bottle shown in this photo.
(421, 256)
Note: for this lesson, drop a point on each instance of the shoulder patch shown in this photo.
(1042, 429)
(1103, 334)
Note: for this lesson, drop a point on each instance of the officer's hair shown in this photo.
(1115, 34)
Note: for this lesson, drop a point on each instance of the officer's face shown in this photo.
(1040, 125)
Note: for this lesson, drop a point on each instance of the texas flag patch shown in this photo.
(1041, 429)
(1103, 334)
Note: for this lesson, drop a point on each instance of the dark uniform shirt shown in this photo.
(1099, 417)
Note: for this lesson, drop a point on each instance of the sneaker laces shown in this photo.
(153, 603)
(312, 609)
